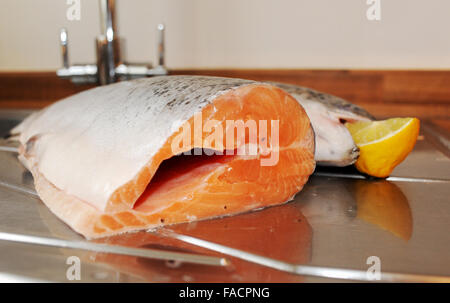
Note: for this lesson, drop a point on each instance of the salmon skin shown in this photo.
(104, 161)
(334, 143)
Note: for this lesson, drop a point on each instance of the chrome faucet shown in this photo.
(110, 67)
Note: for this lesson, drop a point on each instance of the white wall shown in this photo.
(236, 33)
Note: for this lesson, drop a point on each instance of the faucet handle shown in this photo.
(161, 58)
(77, 73)
(64, 40)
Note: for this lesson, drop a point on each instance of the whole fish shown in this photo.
(334, 143)
(107, 160)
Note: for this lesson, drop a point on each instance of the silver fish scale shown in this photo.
(182, 90)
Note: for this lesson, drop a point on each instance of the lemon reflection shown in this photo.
(382, 203)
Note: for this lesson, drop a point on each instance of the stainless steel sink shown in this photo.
(10, 118)
(341, 220)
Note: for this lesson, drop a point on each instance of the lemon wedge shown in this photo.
(383, 144)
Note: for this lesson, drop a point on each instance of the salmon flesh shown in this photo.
(146, 153)
(328, 113)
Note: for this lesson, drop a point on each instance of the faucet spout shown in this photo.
(109, 67)
(107, 44)
(108, 18)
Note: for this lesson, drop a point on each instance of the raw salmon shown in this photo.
(104, 161)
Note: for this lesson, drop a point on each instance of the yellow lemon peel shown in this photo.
(383, 144)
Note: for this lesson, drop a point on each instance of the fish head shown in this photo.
(328, 114)
(334, 143)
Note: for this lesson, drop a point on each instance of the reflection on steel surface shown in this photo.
(277, 232)
(304, 270)
(114, 249)
(8, 149)
(9, 278)
(383, 203)
(19, 188)
(378, 202)
(392, 178)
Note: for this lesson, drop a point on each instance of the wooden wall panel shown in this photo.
(34, 89)
(383, 92)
